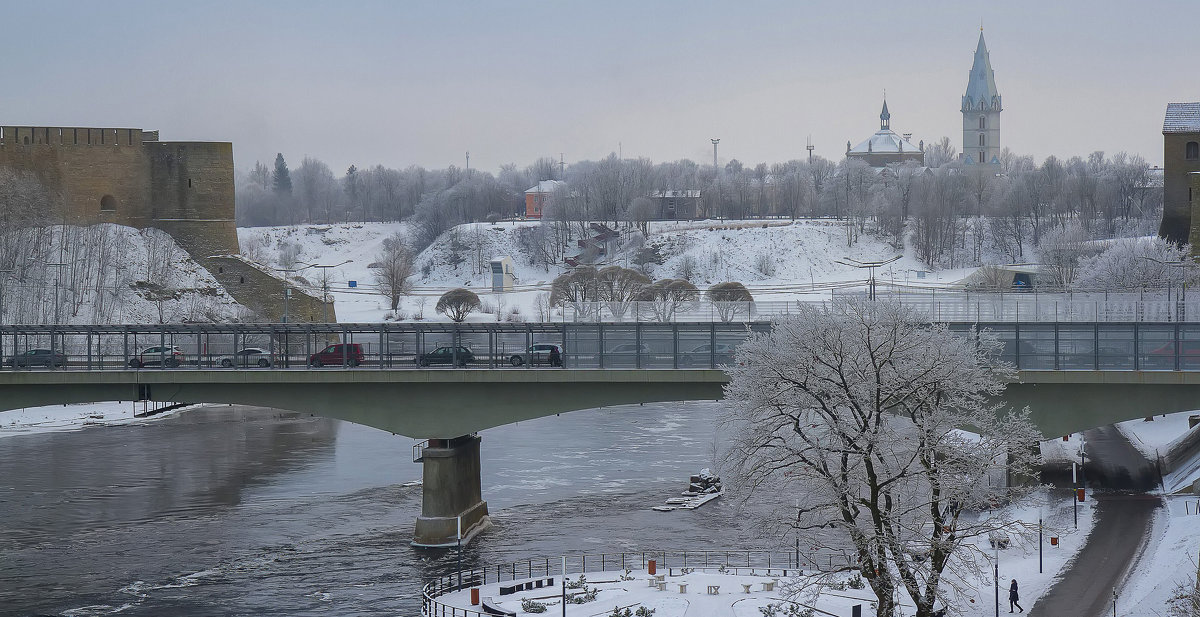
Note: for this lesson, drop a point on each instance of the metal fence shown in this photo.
(945, 306)
(1034, 346)
(773, 563)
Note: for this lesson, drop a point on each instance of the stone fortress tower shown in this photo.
(981, 112)
(128, 177)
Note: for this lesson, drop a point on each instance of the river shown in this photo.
(244, 511)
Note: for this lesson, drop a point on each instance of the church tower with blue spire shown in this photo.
(981, 111)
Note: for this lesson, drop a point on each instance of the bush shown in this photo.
(532, 606)
(856, 582)
(458, 303)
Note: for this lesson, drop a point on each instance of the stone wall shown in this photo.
(1177, 222)
(263, 293)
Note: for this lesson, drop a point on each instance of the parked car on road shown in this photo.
(539, 353)
(338, 354)
(250, 356)
(38, 357)
(169, 356)
(446, 355)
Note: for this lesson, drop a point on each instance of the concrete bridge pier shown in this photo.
(451, 489)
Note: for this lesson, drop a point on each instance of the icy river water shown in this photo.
(239, 511)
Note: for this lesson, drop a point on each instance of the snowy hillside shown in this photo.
(777, 260)
(107, 273)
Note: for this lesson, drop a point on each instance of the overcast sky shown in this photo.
(402, 83)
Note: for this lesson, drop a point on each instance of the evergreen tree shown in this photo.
(283, 178)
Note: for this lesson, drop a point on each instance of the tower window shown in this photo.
(108, 203)
(982, 140)
(982, 157)
(1191, 151)
(982, 122)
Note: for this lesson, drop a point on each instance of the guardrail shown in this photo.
(735, 562)
(1031, 346)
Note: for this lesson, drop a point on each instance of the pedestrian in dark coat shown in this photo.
(1013, 596)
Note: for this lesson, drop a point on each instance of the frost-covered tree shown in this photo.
(1060, 250)
(668, 296)
(458, 303)
(1132, 263)
(1185, 598)
(856, 410)
(393, 267)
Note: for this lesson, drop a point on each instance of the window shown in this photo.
(1191, 151)
(982, 157)
(108, 203)
(981, 140)
(982, 122)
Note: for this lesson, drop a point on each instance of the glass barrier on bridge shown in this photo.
(444, 346)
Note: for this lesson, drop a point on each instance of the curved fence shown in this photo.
(782, 563)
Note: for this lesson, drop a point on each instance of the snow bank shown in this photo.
(72, 417)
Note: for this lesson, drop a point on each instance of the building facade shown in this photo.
(1181, 156)
(537, 197)
(885, 146)
(981, 107)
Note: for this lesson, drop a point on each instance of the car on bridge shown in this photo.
(250, 356)
(539, 353)
(37, 357)
(446, 355)
(721, 353)
(169, 356)
(338, 354)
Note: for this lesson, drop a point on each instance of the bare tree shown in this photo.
(668, 296)
(856, 410)
(458, 303)
(619, 287)
(393, 267)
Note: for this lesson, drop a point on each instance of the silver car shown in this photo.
(250, 356)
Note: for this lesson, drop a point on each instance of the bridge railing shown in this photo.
(944, 306)
(1097, 345)
(776, 563)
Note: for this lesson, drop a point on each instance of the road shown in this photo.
(1123, 516)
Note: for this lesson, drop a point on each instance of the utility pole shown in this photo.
(562, 166)
(57, 276)
(468, 160)
(325, 284)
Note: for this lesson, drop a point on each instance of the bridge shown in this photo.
(1072, 375)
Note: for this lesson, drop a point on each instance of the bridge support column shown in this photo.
(451, 489)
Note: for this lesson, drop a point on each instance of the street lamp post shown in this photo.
(325, 284)
(57, 276)
(996, 579)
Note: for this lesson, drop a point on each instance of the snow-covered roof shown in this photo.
(546, 186)
(884, 141)
(1182, 118)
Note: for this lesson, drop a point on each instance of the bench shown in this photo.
(490, 608)
(662, 586)
(746, 587)
(769, 585)
(539, 583)
(682, 587)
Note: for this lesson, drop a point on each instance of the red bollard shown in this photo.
(1079, 494)
(474, 596)
(650, 567)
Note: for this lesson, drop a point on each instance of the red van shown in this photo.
(338, 354)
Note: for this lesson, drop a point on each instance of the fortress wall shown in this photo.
(263, 293)
(101, 183)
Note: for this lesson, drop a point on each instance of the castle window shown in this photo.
(189, 183)
(982, 122)
(982, 140)
(26, 140)
(1191, 151)
(982, 157)
(108, 203)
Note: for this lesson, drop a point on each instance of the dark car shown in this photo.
(338, 354)
(169, 356)
(706, 353)
(539, 353)
(250, 356)
(446, 355)
(38, 357)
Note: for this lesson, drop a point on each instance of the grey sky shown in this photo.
(401, 83)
